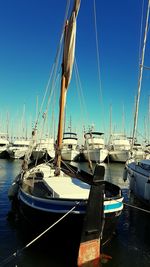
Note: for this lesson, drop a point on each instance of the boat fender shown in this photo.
(125, 174)
(13, 190)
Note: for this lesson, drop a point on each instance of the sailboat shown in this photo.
(138, 171)
(49, 190)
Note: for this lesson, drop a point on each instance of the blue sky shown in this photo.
(29, 35)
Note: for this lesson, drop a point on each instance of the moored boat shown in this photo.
(94, 148)
(50, 190)
(44, 200)
(138, 171)
(70, 149)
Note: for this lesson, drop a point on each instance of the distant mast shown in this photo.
(140, 77)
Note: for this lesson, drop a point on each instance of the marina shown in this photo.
(129, 246)
(74, 176)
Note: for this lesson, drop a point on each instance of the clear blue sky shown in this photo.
(29, 34)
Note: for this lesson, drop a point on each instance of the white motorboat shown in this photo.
(18, 148)
(70, 149)
(94, 148)
(44, 147)
(119, 148)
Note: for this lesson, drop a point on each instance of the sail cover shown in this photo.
(69, 43)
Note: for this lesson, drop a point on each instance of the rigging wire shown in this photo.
(140, 75)
(135, 207)
(141, 27)
(80, 93)
(52, 79)
(55, 65)
(98, 63)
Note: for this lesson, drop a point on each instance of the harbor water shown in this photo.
(129, 247)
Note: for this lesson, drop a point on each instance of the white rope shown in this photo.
(135, 207)
(29, 244)
(4, 262)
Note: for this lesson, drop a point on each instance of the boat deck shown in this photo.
(66, 187)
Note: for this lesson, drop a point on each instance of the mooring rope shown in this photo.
(15, 254)
(135, 207)
(126, 204)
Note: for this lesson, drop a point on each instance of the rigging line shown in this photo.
(141, 135)
(80, 91)
(140, 45)
(98, 62)
(47, 86)
(51, 93)
(60, 44)
(68, 167)
(55, 65)
(88, 148)
(40, 235)
(135, 207)
(43, 125)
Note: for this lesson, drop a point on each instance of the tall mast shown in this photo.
(140, 77)
(67, 65)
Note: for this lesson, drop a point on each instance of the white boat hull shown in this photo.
(69, 155)
(96, 155)
(17, 154)
(119, 155)
(139, 182)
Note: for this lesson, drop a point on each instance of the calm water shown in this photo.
(129, 247)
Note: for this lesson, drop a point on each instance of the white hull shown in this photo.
(3, 149)
(139, 154)
(38, 154)
(139, 182)
(119, 155)
(17, 154)
(51, 153)
(4, 143)
(69, 155)
(96, 155)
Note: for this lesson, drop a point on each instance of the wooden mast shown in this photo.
(61, 113)
(61, 120)
(67, 65)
